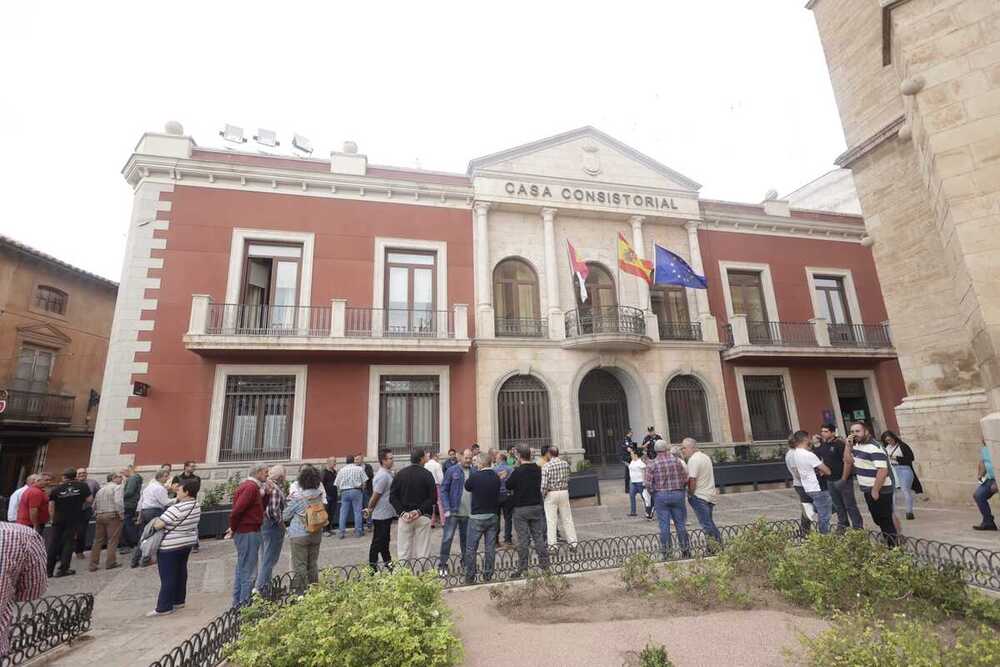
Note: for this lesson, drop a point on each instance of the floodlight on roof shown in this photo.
(233, 133)
(267, 138)
(302, 143)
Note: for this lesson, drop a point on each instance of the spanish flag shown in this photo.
(630, 262)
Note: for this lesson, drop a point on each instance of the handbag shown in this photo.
(152, 538)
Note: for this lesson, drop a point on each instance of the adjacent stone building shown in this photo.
(917, 83)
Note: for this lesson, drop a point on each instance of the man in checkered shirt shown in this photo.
(666, 481)
(22, 573)
(555, 494)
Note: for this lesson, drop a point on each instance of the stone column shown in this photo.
(639, 247)
(700, 295)
(557, 329)
(338, 318)
(484, 304)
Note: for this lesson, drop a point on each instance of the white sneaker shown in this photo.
(158, 613)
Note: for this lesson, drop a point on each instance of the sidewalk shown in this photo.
(122, 635)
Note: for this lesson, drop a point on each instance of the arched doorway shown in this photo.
(603, 416)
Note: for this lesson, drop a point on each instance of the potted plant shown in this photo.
(216, 503)
(583, 481)
(752, 465)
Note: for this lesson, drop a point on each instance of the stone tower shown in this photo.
(917, 84)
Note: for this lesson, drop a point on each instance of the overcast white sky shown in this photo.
(733, 94)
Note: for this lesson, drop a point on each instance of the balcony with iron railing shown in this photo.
(29, 407)
(520, 327)
(745, 338)
(680, 331)
(606, 327)
(218, 327)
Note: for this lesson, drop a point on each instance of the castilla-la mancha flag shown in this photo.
(579, 267)
(630, 262)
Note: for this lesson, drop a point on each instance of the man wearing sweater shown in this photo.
(244, 528)
(484, 488)
(525, 488)
(413, 494)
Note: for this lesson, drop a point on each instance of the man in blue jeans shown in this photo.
(987, 487)
(245, 519)
(667, 480)
(350, 483)
(484, 490)
(457, 504)
(813, 475)
(701, 489)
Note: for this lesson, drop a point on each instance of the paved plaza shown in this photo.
(122, 635)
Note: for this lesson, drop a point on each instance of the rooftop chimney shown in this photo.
(348, 160)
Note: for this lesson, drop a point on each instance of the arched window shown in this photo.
(515, 299)
(523, 413)
(687, 410)
(51, 299)
(600, 289)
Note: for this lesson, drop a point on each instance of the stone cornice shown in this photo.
(852, 155)
(253, 178)
(762, 224)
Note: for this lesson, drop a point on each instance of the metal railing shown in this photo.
(521, 327)
(680, 330)
(41, 625)
(401, 322)
(979, 567)
(240, 319)
(38, 407)
(781, 333)
(859, 335)
(605, 320)
(726, 335)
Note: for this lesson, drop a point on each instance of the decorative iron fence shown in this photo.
(521, 327)
(859, 335)
(680, 330)
(241, 319)
(781, 333)
(205, 648)
(605, 320)
(33, 406)
(402, 322)
(43, 624)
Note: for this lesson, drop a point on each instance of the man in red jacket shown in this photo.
(244, 527)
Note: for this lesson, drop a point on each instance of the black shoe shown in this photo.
(909, 516)
(985, 526)
(631, 514)
(64, 573)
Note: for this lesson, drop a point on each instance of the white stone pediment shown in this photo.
(585, 155)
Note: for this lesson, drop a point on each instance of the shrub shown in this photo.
(720, 456)
(389, 619)
(639, 572)
(707, 584)
(755, 549)
(552, 587)
(653, 655)
(583, 465)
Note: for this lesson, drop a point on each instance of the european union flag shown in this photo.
(672, 270)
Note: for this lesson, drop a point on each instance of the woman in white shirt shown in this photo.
(179, 524)
(636, 476)
(434, 467)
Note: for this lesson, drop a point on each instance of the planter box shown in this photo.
(584, 485)
(214, 522)
(732, 474)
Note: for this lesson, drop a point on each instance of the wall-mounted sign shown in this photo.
(591, 434)
(588, 195)
(859, 414)
(140, 389)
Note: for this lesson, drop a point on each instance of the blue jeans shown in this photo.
(451, 525)
(670, 506)
(823, 504)
(478, 529)
(703, 510)
(350, 500)
(982, 496)
(904, 482)
(247, 551)
(272, 536)
(635, 489)
(173, 568)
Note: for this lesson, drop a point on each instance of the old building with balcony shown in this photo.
(291, 308)
(55, 320)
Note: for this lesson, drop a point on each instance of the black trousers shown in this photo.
(81, 535)
(130, 532)
(881, 511)
(380, 543)
(506, 510)
(61, 546)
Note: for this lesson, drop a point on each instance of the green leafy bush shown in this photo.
(544, 585)
(390, 619)
(583, 465)
(755, 550)
(653, 655)
(639, 572)
(707, 584)
(719, 456)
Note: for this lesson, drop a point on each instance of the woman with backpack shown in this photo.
(308, 517)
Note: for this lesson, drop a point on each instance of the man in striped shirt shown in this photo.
(22, 573)
(871, 465)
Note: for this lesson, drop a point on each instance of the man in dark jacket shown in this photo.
(413, 494)
(525, 488)
(484, 487)
(625, 453)
(649, 443)
(330, 488)
(841, 487)
(130, 497)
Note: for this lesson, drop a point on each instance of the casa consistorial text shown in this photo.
(589, 195)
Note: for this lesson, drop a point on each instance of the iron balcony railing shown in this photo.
(241, 319)
(680, 330)
(401, 322)
(859, 335)
(521, 327)
(782, 333)
(605, 320)
(38, 407)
